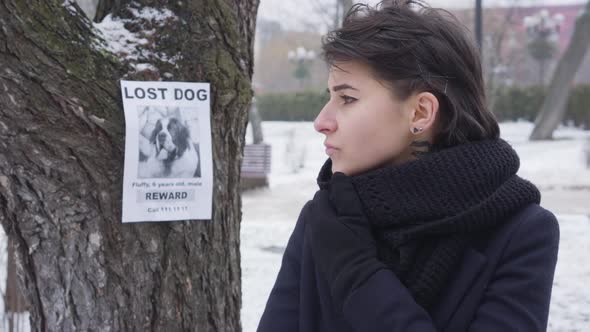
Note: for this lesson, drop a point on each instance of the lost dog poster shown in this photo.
(168, 171)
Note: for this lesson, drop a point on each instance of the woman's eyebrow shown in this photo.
(341, 87)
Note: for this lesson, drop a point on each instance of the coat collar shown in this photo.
(325, 175)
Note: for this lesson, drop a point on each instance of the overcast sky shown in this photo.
(294, 14)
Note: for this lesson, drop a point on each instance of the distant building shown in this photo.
(266, 30)
(510, 63)
(273, 72)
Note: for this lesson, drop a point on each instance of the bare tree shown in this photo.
(497, 55)
(256, 123)
(332, 12)
(61, 164)
(554, 104)
(328, 12)
(343, 7)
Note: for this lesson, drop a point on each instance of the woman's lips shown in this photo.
(330, 149)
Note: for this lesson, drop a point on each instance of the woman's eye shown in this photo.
(347, 99)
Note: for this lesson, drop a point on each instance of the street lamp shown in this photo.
(302, 58)
(543, 32)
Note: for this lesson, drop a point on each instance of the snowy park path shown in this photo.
(262, 246)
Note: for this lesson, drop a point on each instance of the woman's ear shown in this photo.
(425, 107)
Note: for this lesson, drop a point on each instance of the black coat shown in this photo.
(503, 284)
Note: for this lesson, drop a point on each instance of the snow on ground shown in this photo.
(570, 301)
(269, 214)
(557, 167)
(20, 322)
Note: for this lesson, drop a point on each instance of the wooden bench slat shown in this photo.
(257, 161)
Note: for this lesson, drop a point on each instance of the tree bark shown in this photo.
(104, 8)
(61, 167)
(554, 104)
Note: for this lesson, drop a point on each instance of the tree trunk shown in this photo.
(479, 25)
(555, 102)
(542, 73)
(342, 7)
(61, 165)
(256, 123)
(346, 4)
(493, 55)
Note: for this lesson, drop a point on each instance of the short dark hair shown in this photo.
(415, 48)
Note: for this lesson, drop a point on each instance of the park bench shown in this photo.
(255, 166)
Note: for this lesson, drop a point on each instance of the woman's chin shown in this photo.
(336, 167)
(346, 169)
(350, 169)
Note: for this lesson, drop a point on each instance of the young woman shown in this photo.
(420, 223)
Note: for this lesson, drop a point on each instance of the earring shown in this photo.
(415, 130)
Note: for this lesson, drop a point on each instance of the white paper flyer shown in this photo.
(168, 171)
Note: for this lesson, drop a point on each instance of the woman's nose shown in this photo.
(325, 122)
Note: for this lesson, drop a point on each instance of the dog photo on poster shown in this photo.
(168, 160)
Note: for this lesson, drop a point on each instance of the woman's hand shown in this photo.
(342, 243)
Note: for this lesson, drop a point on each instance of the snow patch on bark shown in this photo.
(153, 14)
(135, 48)
(94, 239)
(69, 5)
(119, 40)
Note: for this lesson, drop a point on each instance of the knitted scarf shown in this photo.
(425, 212)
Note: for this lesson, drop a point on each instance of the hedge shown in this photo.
(578, 108)
(514, 103)
(300, 106)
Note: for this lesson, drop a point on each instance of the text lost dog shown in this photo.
(165, 94)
